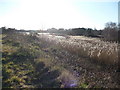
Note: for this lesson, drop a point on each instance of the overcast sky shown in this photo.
(44, 14)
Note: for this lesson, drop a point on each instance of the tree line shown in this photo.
(111, 32)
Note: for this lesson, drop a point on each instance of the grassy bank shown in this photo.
(24, 63)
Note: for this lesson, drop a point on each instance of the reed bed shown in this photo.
(95, 49)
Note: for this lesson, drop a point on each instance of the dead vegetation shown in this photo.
(103, 52)
(31, 61)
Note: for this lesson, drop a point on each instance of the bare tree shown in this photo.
(110, 32)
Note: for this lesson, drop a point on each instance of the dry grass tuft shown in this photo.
(93, 48)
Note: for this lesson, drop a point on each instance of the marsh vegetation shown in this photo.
(51, 60)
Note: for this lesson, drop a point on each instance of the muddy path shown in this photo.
(85, 71)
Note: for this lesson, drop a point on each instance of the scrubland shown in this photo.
(47, 60)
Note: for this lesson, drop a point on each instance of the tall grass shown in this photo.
(105, 52)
